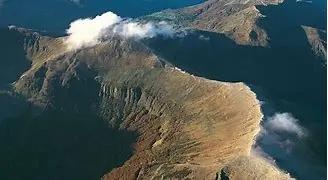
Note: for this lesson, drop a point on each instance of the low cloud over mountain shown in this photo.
(90, 31)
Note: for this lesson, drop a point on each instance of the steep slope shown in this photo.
(27, 48)
(186, 126)
(19, 49)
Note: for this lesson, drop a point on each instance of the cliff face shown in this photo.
(187, 126)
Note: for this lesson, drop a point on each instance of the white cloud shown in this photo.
(298, 1)
(89, 32)
(76, 1)
(12, 27)
(130, 29)
(285, 122)
(281, 133)
(204, 38)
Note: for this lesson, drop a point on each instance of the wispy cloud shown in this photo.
(204, 38)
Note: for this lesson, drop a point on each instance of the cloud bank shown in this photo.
(91, 31)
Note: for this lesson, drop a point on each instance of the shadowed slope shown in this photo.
(13, 59)
(59, 145)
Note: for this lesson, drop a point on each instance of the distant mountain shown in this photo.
(243, 20)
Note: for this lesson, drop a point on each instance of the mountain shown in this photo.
(122, 109)
(178, 118)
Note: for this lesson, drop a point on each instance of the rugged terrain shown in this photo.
(186, 126)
